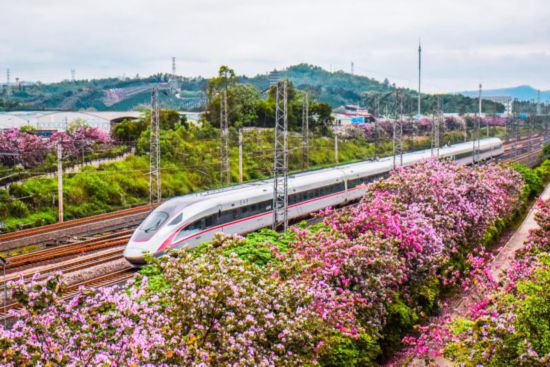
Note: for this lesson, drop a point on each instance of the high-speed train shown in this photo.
(189, 220)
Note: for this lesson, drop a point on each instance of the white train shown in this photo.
(189, 220)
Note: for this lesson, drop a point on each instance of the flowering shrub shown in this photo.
(94, 328)
(214, 310)
(509, 324)
(80, 141)
(32, 149)
(336, 294)
(384, 129)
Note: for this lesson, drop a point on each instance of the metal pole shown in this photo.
(240, 155)
(4, 263)
(336, 148)
(398, 130)
(60, 181)
(305, 132)
(419, 76)
(224, 144)
(154, 151)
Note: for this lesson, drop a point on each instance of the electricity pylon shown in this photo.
(280, 166)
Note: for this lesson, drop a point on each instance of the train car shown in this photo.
(187, 221)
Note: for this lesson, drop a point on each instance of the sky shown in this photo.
(499, 43)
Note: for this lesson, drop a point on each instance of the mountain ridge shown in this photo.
(110, 94)
(520, 92)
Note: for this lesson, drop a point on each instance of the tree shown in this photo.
(76, 124)
(129, 131)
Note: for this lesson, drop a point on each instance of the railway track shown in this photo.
(63, 251)
(524, 156)
(73, 223)
(72, 265)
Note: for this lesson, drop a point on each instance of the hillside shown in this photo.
(335, 88)
(522, 93)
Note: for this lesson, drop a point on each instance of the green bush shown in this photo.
(533, 182)
(19, 209)
(543, 171)
(342, 351)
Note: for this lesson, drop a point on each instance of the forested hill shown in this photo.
(335, 88)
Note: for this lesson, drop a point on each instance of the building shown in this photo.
(507, 101)
(351, 114)
(61, 120)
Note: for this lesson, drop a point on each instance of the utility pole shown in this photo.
(530, 121)
(538, 103)
(4, 262)
(476, 133)
(225, 174)
(8, 86)
(398, 130)
(240, 155)
(336, 148)
(173, 67)
(419, 76)
(480, 109)
(280, 166)
(352, 67)
(516, 134)
(60, 181)
(435, 129)
(154, 154)
(73, 74)
(305, 132)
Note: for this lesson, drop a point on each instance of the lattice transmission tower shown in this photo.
(398, 130)
(515, 134)
(8, 80)
(280, 164)
(225, 173)
(154, 154)
(305, 132)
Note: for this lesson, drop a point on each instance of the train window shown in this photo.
(154, 221)
(209, 221)
(463, 155)
(187, 231)
(176, 220)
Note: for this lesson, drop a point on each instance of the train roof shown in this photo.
(317, 178)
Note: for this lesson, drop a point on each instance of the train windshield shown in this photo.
(154, 221)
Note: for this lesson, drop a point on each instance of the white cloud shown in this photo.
(500, 43)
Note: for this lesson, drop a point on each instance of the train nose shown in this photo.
(134, 255)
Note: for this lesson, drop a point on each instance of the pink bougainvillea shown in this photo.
(213, 308)
(30, 150)
(508, 323)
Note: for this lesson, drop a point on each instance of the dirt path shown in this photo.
(459, 305)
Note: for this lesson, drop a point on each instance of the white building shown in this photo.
(60, 120)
